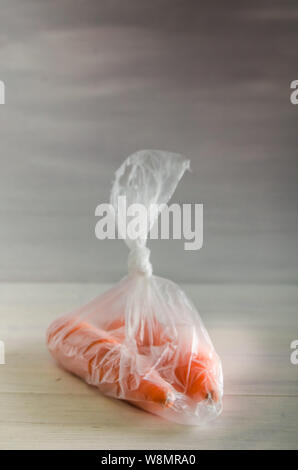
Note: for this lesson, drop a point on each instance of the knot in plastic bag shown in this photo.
(138, 261)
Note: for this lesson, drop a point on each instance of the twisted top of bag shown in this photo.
(147, 177)
(139, 261)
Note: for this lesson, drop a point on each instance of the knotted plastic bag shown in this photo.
(143, 340)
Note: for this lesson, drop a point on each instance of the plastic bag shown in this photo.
(143, 341)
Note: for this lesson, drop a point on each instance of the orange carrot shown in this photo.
(150, 332)
(94, 355)
(197, 376)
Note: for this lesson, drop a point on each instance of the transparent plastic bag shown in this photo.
(143, 340)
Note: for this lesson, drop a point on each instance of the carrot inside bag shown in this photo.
(94, 355)
(194, 374)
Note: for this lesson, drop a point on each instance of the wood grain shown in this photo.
(43, 406)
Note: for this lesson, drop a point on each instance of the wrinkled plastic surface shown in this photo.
(143, 341)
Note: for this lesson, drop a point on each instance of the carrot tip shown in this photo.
(170, 398)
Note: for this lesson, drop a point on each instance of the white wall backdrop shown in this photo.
(88, 83)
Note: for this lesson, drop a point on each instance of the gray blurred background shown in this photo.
(89, 82)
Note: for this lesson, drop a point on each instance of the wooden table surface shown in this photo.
(252, 327)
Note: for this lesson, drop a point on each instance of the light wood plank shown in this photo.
(43, 406)
(79, 422)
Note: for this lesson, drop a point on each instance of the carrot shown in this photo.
(97, 358)
(94, 355)
(150, 332)
(198, 377)
(195, 375)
